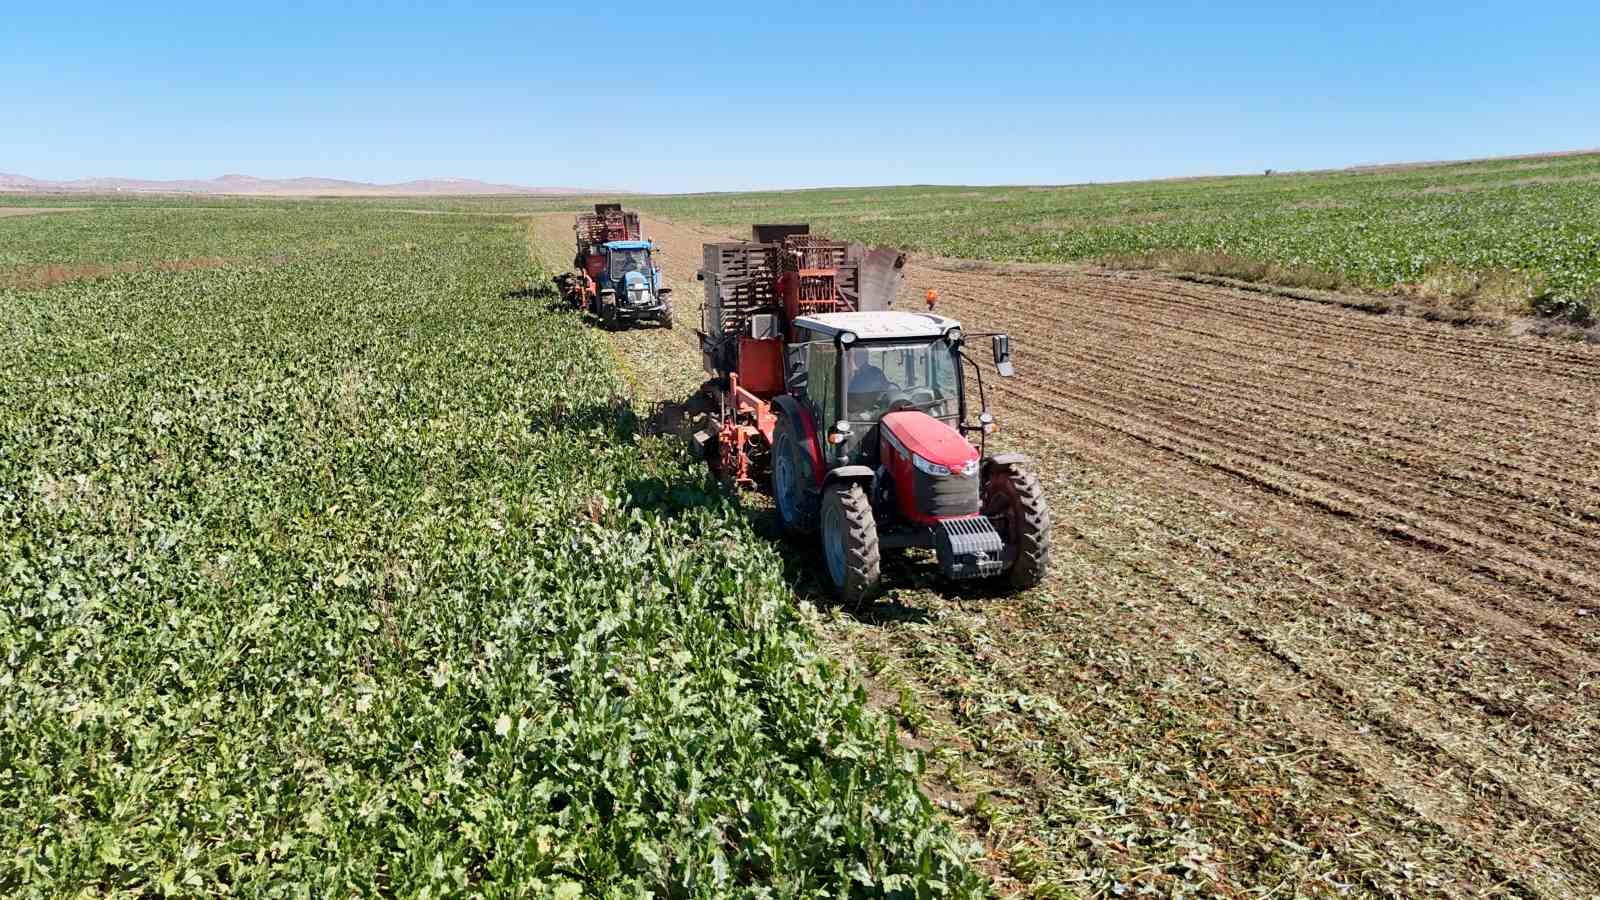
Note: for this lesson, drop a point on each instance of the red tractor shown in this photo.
(859, 414)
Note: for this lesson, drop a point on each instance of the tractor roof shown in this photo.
(628, 245)
(871, 326)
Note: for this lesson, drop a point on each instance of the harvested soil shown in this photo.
(1324, 602)
(7, 212)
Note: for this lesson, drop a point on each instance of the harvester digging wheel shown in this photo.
(850, 542)
(791, 473)
(1014, 503)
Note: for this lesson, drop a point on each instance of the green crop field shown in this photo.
(1518, 235)
(335, 565)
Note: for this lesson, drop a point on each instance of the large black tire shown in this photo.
(793, 481)
(608, 313)
(666, 318)
(849, 542)
(1014, 502)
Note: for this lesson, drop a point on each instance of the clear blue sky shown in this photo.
(677, 96)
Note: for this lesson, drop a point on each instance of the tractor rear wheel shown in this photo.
(850, 542)
(793, 478)
(1014, 503)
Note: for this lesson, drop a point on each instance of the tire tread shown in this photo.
(862, 560)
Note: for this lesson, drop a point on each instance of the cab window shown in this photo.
(625, 261)
(819, 360)
(922, 376)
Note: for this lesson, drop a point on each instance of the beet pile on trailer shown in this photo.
(614, 272)
(860, 414)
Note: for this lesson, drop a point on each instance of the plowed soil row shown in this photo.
(1324, 606)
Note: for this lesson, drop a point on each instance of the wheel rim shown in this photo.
(833, 542)
(783, 472)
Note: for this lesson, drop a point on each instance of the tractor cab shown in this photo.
(857, 369)
(627, 268)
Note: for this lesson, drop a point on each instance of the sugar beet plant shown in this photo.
(1531, 220)
(350, 575)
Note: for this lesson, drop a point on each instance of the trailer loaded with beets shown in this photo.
(858, 414)
(614, 272)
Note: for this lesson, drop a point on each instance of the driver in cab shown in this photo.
(867, 388)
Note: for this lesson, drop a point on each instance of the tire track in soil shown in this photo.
(1311, 385)
(1139, 390)
(1466, 417)
(1395, 718)
(1413, 338)
(1420, 723)
(1573, 532)
(1220, 340)
(1334, 492)
(1481, 476)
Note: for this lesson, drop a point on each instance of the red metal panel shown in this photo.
(904, 433)
(931, 439)
(761, 366)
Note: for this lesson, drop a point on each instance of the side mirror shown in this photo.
(700, 275)
(1002, 355)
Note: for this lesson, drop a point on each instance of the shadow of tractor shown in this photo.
(904, 571)
(544, 292)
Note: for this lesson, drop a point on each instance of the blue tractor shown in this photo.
(628, 286)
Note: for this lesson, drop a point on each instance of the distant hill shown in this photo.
(274, 187)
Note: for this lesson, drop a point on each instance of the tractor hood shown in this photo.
(935, 442)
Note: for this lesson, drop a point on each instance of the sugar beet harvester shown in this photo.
(615, 275)
(859, 414)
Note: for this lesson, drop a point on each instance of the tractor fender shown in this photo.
(852, 474)
(1016, 462)
(800, 419)
(1007, 460)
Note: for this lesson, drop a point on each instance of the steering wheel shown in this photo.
(909, 399)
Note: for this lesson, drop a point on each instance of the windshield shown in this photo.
(625, 261)
(884, 377)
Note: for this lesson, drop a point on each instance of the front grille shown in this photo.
(944, 497)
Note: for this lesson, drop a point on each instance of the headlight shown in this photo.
(932, 468)
(847, 338)
(840, 433)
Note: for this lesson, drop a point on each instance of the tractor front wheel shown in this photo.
(608, 313)
(850, 542)
(1014, 503)
(666, 318)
